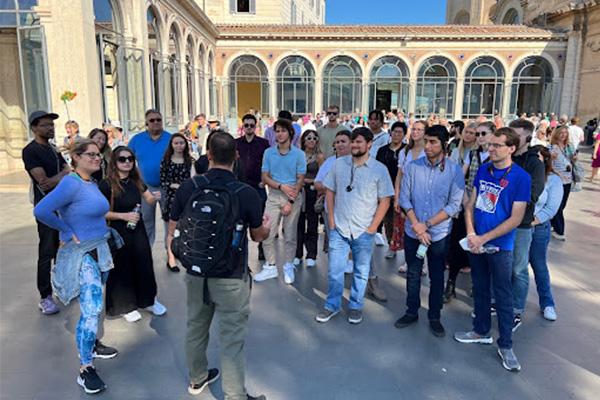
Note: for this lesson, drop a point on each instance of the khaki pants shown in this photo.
(230, 298)
(275, 200)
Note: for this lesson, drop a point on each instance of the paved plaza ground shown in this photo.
(289, 355)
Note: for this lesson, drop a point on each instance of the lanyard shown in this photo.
(503, 181)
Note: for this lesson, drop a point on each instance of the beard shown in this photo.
(358, 153)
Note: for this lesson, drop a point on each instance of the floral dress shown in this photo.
(171, 172)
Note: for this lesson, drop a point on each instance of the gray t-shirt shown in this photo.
(354, 210)
(327, 138)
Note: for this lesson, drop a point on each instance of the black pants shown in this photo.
(47, 248)
(558, 222)
(457, 257)
(308, 226)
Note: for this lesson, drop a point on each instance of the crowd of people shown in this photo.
(471, 195)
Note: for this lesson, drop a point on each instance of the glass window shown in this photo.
(436, 87)
(511, 17)
(189, 76)
(388, 86)
(34, 69)
(17, 13)
(484, 83)
(295, 85)
(342, 84)
(154, 54)
(201, 80)
(532, 87)
(249, 80)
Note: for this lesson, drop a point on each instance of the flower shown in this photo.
(68, 96)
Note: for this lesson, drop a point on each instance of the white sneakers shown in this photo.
(380, 240)
(268, 272)
(310, 262)
(157, 308)
(550, 313)
(289, 273)
(390, 254)
(297, 261)
(132, 316)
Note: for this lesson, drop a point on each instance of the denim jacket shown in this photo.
(65, 273)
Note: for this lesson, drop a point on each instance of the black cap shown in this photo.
(285, 114)
(34, 116)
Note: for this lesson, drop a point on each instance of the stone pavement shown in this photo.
(289, 355)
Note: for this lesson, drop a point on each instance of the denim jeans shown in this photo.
(537, 258)
(558, 222)
(498, 266)
(362, 250)
(520, 270)
(436, 262)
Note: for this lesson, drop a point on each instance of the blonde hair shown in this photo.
(555, 138)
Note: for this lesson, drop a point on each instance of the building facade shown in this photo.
(225, 57)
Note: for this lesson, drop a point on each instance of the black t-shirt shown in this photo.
(250, 203)
(201, 166)
(37, 155)
(124, 202)
(389, 158)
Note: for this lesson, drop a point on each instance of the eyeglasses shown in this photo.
(497, 145)
(125, 159)
(92, 155)
(249, 126)
(480, 133)
(331, 113)
(311, 138)
(155, 120)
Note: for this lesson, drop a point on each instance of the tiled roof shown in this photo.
(385, 32)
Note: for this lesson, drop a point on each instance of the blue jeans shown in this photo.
(436, 262)
(484, 266)
(537, 258)
(520, 270)
(362, 250)
(90, 304)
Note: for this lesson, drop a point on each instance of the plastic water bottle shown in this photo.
(422, 251)
(237, 236)
(130, 224)
(490, 249)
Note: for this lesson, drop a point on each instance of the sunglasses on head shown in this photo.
(249, 126)
(123, 159)
(155, 120)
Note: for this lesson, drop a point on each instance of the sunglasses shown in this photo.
(125, 159)
(331, 113)
(312, 138)
(249, 126)
(155, 120)
(480, 134)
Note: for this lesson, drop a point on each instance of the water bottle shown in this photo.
(490, 249)
(237, 236)
(422, 251)
(130, 224)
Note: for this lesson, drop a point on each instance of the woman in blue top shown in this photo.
(76, 209)
(546, 207)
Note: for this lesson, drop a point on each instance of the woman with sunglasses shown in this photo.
(308, 221)
(76, 209)
(175, 168)
(100, 137)
(131, 284)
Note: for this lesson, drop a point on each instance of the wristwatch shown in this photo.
(291, 201)
(428, 224)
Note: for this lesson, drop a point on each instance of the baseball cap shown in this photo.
(285, 114)
(213, 118)
(34, 116)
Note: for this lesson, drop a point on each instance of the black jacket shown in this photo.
(530, 162)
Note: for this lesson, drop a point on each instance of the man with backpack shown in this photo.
(209, 219)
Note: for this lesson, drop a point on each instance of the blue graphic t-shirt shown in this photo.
(497, 190)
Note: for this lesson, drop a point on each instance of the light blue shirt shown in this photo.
(284, 168)
(354, 210)
(379, 140)
(149, 154)
(428, 189)
(549, 201)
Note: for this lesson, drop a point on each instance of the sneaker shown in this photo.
(157, 308)
(355, 316)
(104, 352)
(349, 267)
(437, 328)
(493, 309)
(550, 313)
(90, 381)
(311, 262)
(402, 269)
(48, 306)
(297, 262)
(390, 254)
(259, 397)
(268, 272)
(132, 316)
(288, 273)
(509, 360)
(406, 320)
(375, 291)
(473, 337)
(325, 315)
(556, 236)
(517, 321)
(197, 388)
(380, 240)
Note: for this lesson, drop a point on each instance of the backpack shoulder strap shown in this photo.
(200, 180)
(236, 186)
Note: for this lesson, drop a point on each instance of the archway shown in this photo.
(154, 58)
(436, 87)
(249, 86)
(484, 83)
(388, 86)
(342, 84)
(295, 85)
(532, 85)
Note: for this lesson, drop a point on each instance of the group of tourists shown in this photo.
(456, 196)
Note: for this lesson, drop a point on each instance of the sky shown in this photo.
(386, 12)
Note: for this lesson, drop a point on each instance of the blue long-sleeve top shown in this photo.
(81, 209)
(428, 189)
(549, 201)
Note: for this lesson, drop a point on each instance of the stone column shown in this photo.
(184, 92)
(570, 90)
(272, 96)
(459, 98)
(506, 91)
(319, 94)
(412, 96)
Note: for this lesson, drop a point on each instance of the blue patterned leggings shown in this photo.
(90, 304)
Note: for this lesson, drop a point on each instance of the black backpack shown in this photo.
(210, 237)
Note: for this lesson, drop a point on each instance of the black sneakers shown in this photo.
(517, 321)
(90, 381)
(104, 352)
(405, 321)
(437, 328)
(197, 388)
(261, 397)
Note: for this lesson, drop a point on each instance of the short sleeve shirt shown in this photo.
(37, 155)
(149, 154)
(284, 168)
(327, 138)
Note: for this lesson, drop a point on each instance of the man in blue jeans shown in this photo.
(495, 208)
(358, 196)
(432, 192)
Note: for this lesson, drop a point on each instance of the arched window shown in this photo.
(249, 85)
(484, 83)
(154, 53)
(171, 69)
(436, 87)
(189, 77)
(201, 79)
(388, 86)
(462, 18)
(532, 87)
(295, 85)
(511, 17)
(342, 84)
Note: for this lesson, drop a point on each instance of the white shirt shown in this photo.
(576, 135)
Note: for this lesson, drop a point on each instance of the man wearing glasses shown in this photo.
(328, 132)
(149, 148)
(251, 149)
